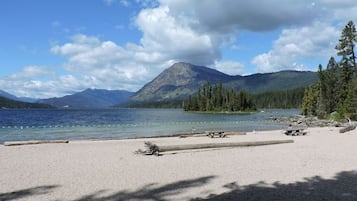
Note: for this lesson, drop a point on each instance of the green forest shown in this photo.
(217, 99)
(287, 99)
(335, 93)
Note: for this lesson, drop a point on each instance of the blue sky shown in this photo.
(55, 48)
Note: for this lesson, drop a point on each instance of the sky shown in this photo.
(59, 47)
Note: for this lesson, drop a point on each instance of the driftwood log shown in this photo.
(16, 143)
(348, 128)
(153, 149)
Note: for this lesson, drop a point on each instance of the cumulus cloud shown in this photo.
(104, 64)
(29, 80)
(190, 31)
(230, 67)
(253, 15)
(174, 39)
(296, 44)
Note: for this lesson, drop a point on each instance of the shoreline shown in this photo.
(109, 170)
(183, 135)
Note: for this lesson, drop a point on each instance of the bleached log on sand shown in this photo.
(17, 143)
(220, 145)
(155, 149)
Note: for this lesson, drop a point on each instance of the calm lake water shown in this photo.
(46, 124)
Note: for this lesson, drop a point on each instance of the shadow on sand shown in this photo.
(150, 191)
(343, 187)
(27, 192)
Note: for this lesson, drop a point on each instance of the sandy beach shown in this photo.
(319, 166)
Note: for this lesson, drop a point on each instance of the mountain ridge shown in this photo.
(13, 97)
(178, 82)
(89, 98)
(183, 79)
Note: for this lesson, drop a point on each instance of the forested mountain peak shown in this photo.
(184, 79)
(177, 81)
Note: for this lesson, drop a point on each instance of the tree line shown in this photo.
(217, 98)
(285, 99)
(336, 90)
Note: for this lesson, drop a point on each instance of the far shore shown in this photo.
(319, 166)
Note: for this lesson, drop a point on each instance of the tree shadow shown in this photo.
(150, 191)
(343, 187)
(27, 192)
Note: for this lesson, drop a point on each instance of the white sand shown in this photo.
(312, 166)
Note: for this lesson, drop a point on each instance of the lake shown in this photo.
(48, 124)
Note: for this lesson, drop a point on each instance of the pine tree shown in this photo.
(347, 45)
(350, 104)
(217, 98)
(309, 105)
(322, 101)
(332, 88)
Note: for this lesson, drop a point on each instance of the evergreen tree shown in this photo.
(309, 104)
(347, 45)
(322, 101)
(350, 103)
(335, 90)
(217, 98)
(331, 84)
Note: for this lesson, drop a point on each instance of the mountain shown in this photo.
(183, 79)
(278, 81)
(178, 81)
(6, 103)
(7, 95)
(12, 97)
(90, 98)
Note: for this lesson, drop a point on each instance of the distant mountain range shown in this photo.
(183, 79)
(177, 83)
(90, 98)
(12, 97)
(6, 103)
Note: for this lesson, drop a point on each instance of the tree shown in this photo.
(332, 88)
(346, 45)
(350, 104)
(219, 99)
(309, 103)
(335, 90)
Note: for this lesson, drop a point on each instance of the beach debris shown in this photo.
(347, 128)
(29, 142)
(308, 121)
(293, 131)
(153, 149)
(212, 134)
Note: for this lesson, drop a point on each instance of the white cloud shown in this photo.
(104, 64)
(297, 44)
(173, 39)
(30, 72)
(230, 67)
(30, 82)
(254, 15)
(191, 31)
